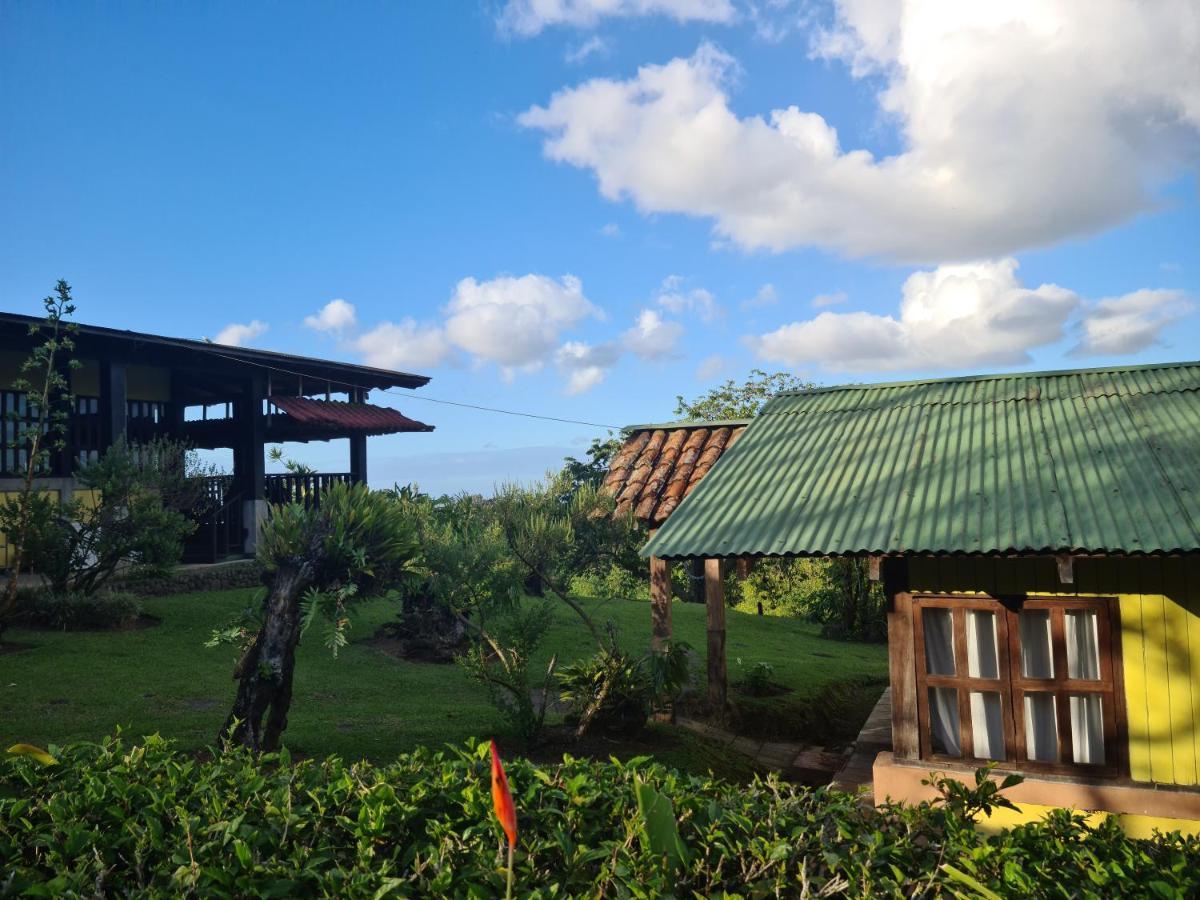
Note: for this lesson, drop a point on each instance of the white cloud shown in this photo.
(822, 300)
(957, 316)
(239, 335)
(515, 322)
(1129, 323)
(766, 296)
(404, 345)
(529, 17)
(652, 337)
(585, 365)
(712, 366)
(697, 301)
(335, 317)
(1021, 123)
(593, 46)
(611, 229)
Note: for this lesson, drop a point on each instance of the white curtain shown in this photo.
(987, 725)
(982, 654)
(1087, 729)
(1041, 727)
(939, 641)
(1083, 645)
(943, 721)
(1037, 657)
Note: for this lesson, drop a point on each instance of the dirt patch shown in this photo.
(770, 689)
(401, 650)
(141, 623)
(15, 647)
(199, 704)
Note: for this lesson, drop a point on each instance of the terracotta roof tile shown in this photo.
(337, 415)
(659, 465)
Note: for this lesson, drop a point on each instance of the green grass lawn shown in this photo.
(79, 686)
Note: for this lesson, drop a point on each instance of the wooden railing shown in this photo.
(221, 529)
(306, 488)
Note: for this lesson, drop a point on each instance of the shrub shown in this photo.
(118, 820)
(757, 680)
(74, 611)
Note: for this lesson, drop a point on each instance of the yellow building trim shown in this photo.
(1135, 826)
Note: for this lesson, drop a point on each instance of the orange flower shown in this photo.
(502, 799)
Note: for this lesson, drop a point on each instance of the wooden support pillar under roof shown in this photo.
(660, 603)
(114, 405)
(714, 595)
(358, 444)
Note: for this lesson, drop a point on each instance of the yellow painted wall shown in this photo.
(1135, 826)
(4, 546)
(142, 382)
(1160, 641)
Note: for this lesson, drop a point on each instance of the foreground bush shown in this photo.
(112, 820)
(75, 611)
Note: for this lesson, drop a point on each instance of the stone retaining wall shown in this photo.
(192, 579)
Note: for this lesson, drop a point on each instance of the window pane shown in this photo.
(939, 641)
(1037, 660)
(982, 654)
(943, 721)
(1083, 645)
(1087, 729)
(987, 725)
(1041, 727)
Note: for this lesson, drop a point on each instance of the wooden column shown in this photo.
(714, 597)
(114, 406)
(249, 459)
(902, 671)
(660, 603)
(358, 445)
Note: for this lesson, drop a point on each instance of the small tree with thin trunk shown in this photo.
(317, 560)
(45, 379)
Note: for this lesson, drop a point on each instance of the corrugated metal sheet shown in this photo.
(1102, 460)
(337, 415)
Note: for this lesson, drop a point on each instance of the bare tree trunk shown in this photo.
(267, 668)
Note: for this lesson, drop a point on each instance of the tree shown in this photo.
(317, 560)
(45, 379)
(131, 508)
(592, 470)
(739, 401)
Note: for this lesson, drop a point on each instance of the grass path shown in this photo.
(79, 686)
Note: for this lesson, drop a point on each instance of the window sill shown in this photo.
(901, 780)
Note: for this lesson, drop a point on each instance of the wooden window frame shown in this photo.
(1012, 685)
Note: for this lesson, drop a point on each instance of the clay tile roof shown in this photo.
(337, 415)
(659, 465)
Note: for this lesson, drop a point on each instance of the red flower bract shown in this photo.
(502, 799)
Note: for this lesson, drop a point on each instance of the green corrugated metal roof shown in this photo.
(1089, 461)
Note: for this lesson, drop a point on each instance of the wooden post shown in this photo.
(660, 603)
(249, 460)
(114, 407)
(714, 596)
(358, 445)
(902, 664)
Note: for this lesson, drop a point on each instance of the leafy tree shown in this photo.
(591, 471)
(45, 379)
(739, 401)
(131, 509)
(317, 560)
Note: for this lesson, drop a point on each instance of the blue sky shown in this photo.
(582, 209)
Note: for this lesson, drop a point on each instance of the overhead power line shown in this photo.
(491, 409)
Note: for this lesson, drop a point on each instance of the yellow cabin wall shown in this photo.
(1136, 826)
(88, 498)
(141, 382)
(1159, 603)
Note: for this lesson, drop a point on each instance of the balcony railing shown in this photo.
(302, 488)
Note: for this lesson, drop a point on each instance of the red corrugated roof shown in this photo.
(337, 415)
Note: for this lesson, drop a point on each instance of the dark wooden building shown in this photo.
(211, 396)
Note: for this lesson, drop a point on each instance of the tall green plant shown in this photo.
(45, 379)
(317, 559)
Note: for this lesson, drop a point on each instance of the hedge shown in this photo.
(147, 820)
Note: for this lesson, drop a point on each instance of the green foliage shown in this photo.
(130, 511)
(660, 831)
(591, 471)
(616, 691)
(739, 401)
(501, 661)
(76, 611)
(143, 820)
(757, 678)
(354, 536)
(612, 583)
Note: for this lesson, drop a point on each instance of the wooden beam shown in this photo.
(1066, 568)
(358, 447)
(660, 603)
(902, 663)
(873, 567)
(114, 406)
(714, 596)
